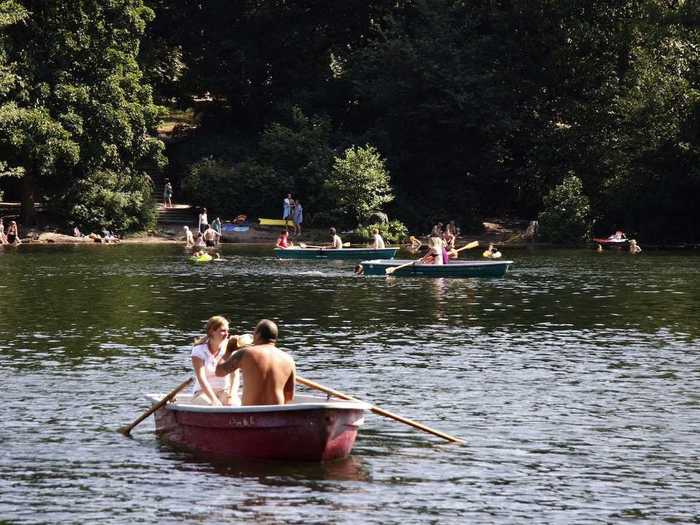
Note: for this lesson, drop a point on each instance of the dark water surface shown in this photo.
(574, 381)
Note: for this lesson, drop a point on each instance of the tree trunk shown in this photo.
(27, 213)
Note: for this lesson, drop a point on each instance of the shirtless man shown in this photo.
(268, 372)
(336, 241)
(210, 236)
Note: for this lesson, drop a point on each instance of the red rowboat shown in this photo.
(616, 239)
(307, 429)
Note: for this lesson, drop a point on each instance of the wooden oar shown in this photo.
(469, 246)
(303, 245)
(127, 429)
(380, 411)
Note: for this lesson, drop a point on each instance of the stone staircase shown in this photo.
(179, 214)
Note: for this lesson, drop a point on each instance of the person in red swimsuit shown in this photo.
(283, 240)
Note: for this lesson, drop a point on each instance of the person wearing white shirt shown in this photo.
(203, 220)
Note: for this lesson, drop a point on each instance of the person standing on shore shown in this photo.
(168, 194)
(298, 216)
(287, 207)
(203, 220)
(13, 234)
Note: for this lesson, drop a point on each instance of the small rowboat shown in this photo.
(198, 259)
(331, 253)
(616, 239)
(452, 269)
(309, 428)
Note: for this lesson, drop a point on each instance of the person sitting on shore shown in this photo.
(207, 351)
(283, 240)
(336, 241)
(210, 236)
(377, 241)
(634, 247)
(434, 255)
(269, 373)
(76, 232)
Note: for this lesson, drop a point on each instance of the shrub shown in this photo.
(566, 217)
(228, 190)
(393, 231)
(118, 202)
(359, 183)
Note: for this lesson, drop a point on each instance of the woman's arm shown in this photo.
(201, 376)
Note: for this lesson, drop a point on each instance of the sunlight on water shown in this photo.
(573, 380)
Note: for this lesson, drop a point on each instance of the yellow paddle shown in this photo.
(392, 269)
(380, 411)
(127, 429)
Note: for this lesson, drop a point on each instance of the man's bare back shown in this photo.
(268, 372)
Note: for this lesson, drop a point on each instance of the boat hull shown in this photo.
(316, 431)
(496, 268)
(329, 253)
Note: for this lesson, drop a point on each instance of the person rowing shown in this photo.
(336, 241)
(434, 255)
(269, 373)
(377, 241)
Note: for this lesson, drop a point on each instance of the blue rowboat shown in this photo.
(452, 269)
(331, 253)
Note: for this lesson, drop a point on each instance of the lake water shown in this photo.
(574, 381)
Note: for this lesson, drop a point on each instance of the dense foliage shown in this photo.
(75, 113)
(566, 217)
(479, 108)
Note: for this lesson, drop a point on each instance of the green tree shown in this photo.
(566, 217)
(360, 183)
(76, 70)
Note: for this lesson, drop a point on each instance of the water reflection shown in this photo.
(574, 371)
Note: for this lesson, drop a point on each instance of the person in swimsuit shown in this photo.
(269, 373)
(13, 233)
(3, 239)
(434, 255)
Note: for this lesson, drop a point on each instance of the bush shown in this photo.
(393, 231)
(118, 202)
(359, 183)
(228, 190)
(566, 217)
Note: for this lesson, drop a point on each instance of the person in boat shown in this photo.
(336, 241)
(269, 373)
(414, 243)
(283, 240)
(377, 241)
(189, 238)
(619, 235)
(207, 352)
(434, 255)
(448, 240)
(634, 247)
(210, 236)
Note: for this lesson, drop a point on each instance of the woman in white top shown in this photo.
(378, 242)
(203, 220)
(206, 354)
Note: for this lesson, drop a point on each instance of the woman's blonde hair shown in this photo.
(214, 323)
